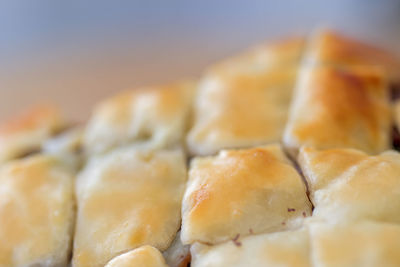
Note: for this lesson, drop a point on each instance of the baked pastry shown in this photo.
(240, 111)
(334, 107)
(244, 101)
(126, 199)
(25, 133)
(246, 203)
(360, 244)
(286, 249)
(349, 185)
(36, 212)
(332, 48)
(145, 256)
(355, 245)
(242, 192)
(152, 116)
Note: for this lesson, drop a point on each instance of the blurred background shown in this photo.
(74, 53)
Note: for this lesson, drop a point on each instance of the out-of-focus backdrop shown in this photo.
(74, 53)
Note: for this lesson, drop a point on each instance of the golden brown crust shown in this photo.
(244, 101)
(347, 185)
(126, 199)
(240, 111)
(26, 132)
(36, 213)
(329, 47)
(322, 160)
(241, 192)
(333, 107)
(156, 116)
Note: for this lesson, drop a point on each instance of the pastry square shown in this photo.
(244, 101)
(36, 212)
(241, 192)
(145, 256)
(333, 108)
(154, 116)
(284, 249)
(240, 111)
(329, 47)
(355, 245)
(349, 185)
(126, 199)
(25, 133)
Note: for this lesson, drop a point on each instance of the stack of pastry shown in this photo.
(280, 156)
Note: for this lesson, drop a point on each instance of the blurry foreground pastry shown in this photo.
(36, 212)
(126, 199)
